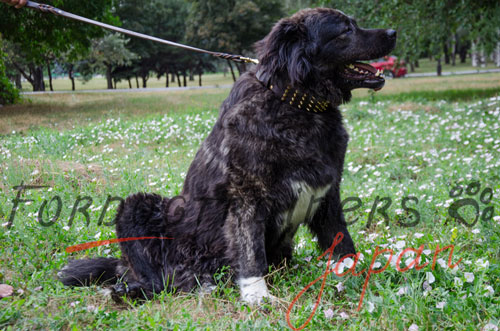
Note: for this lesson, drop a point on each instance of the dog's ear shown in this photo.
(283, 53)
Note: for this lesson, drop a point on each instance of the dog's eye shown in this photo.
(345, 32)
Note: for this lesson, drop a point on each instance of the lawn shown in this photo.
(417, 149)
(219, 79)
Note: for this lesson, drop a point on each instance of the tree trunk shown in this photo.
(109, 79)
(173, 78)
(136, 81)
(474, 54)
(439, 68)
(199, 78)
(184, 79)
(417, 65)
(412, 67)
(167, 80)
(454, 50)
(178, 78)
(482, 58)
(232, 71)
(29, 77)
(191, 76)
(70, 74)
(114, 83)
(129, 83)
(38, 79)
(144, 81)
(50, 76)
(19, 85)
(497, 57)
(243, 65)
(446, 53)
(238, 66)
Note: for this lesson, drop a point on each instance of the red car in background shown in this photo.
(390, 66)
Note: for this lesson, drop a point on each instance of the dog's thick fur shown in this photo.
(253, 178)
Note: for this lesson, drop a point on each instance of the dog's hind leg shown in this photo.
(328, 221)
(142, 215)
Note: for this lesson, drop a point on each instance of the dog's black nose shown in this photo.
(391, 33)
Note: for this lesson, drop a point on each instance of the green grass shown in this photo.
(426, 65)
(219, 79)
(99, 83)
(420, 144)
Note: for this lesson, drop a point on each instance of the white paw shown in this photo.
(254, 290)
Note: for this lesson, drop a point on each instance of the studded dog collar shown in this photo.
(295, 97)
(301, 100)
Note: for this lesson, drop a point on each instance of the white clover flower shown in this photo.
(430, 277)
(490, 291)
(458, 282)
(476, 231)
(344, 315)
(418, 235)
(340, 287)
(482, 264)
(442, 263)
(403, 290)
(427, 288)
(490, 327)
(469, 277)
(400, 244)
(413, 327)
(370, 306)
(348, 262)
(328, 313)
(440, 305)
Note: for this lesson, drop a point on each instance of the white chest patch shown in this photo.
(308, 200)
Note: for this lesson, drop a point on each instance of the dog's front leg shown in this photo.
(328, 221)
(246, 249)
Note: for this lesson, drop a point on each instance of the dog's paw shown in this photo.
(254, 291)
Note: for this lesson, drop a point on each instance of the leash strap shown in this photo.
(56, 11)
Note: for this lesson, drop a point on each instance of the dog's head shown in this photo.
(320, 49)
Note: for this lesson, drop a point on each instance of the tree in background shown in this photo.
(107, 54)
(8, 94)
(429, 27)
(36, 34)
(231, 26)
(160, 18)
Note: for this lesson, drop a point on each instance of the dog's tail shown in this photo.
(90, 271)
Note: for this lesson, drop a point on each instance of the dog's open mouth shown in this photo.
(363, 75)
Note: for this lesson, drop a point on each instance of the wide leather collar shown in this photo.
(294, 97)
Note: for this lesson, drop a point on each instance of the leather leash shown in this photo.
(56, 11)
(288, 95)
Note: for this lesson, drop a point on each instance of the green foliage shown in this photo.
(106, 54)
(162, 19)
(38, 34)
(8, 93)
(231, 26)
(424, 26)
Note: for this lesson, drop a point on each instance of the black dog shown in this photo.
(273, 160)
